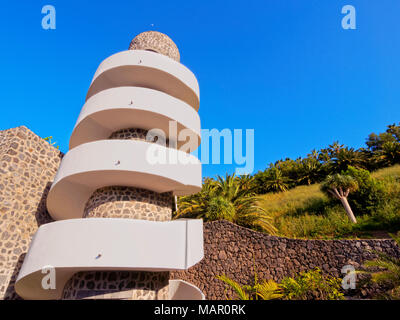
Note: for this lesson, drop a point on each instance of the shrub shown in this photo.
(312, 285)
(370, 194)
(264, 290)
(305, 286)
(230, 198)
(386, 270)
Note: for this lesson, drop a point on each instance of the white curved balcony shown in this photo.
(133, 107)
(140, 68)
(182, 290)
(96, 244)
(102, 163)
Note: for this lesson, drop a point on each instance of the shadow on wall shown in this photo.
(42, 217)
(10, 293)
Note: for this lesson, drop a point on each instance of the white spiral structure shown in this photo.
(106, 175)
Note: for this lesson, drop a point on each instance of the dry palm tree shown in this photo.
(339, 186)
(227, 199)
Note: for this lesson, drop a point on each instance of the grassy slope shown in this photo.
(305, 212)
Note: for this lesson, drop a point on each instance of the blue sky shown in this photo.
(286, 69)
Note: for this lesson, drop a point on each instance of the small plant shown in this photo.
(265, 290)
(386, 270)
(50, 141)
(312, 285)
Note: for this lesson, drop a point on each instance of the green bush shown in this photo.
(312, 285)
(386, 270)
(386, 218)
(370, 195)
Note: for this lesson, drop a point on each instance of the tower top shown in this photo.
(157, 42)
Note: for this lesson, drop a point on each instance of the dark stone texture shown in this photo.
(235, 251)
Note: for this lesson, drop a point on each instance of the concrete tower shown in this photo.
(114, 191)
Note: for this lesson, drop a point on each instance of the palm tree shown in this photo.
(246, 181)
(389, 154)
(388, 270)
(229, 199)
(346, 157)
(275, 181)
(339, 186)
(309, 170)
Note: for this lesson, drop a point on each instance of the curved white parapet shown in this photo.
(140, 68)
(133, 107)
(102, 163)
(94, 244)
(182, 290)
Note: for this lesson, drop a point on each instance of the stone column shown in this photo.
(125, 203)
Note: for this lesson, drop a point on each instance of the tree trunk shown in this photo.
(176, 204)
(348, 209)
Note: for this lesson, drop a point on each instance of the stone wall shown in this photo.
(139, 134)
(28, 165)
(129, 203)
(121, 285)
(233, 250)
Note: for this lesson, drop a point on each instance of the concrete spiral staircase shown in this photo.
(113, 237)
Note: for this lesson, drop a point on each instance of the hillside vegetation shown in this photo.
(334, 192)
(306, 212)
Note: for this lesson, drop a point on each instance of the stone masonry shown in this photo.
(121, 285)
(157, 42)
(129, 203)
(235, 251)
(28, 165)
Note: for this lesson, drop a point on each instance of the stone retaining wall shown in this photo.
(233, 250)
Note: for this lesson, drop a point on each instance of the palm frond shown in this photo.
(269, 290)
(235, 286)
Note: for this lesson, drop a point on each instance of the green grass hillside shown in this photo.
(305, 212)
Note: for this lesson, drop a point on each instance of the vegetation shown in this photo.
(382, 150)
(306, 212)
(50, 141)
(386, 270)
(291, 197)
(339, 186)
(230, 199)
(310, 285)
(265, 290)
